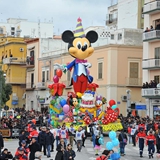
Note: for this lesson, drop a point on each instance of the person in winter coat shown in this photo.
(69, 154)
(5, 155)
(49, 141)
(25, 147)
(123, 142)
(20, 155)
(41, 139)
(151, 142)
(141, 136)
(34, 147)
(22, 137)
(61, 148)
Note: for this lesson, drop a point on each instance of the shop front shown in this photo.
(156, 112)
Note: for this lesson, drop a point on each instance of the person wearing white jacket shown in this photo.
(79, 136)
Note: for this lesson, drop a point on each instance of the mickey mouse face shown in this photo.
(80, 48)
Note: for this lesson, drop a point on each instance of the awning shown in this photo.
(31, 48)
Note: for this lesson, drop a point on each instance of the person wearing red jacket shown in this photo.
(140, 138)
(151, 142)
(141, 125)
(34, 133)
(24, 146)
(20, 155)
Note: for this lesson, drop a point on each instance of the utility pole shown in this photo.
(128, 102)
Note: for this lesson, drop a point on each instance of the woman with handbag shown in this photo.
(122, 142)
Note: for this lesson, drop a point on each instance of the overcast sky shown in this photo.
(63, 13)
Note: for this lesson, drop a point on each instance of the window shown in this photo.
(119, 36)
(47, 78)
(31, 105)
(100, 70)
(157, 56)
(55, 71)
(112, 36)
(134, 67)
(1, 31)
(43, 76)
(12, 28)
(156, 78)
(32, 78)
(12, 33)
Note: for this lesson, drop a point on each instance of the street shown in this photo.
(132, 153)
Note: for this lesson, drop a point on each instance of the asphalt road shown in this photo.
(88, 153)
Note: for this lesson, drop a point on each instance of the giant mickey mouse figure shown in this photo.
(80, 48)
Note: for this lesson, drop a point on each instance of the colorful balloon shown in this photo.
(115, 142)
(59, 73)
(66, 108)
(114, 107)
(112, 102)
(112, 135)
(63, 102)
(55, 79)
(109, 145)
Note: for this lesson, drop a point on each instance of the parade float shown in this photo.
(84, 105)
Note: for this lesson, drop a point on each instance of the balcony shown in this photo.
(151, 8)
(111, 19)
(134, 82)
(15, 80)
(30, 86)
(151, 36)
(14, 60)
(41, 85)
(151, 92)
(29, 63)
(151, 64)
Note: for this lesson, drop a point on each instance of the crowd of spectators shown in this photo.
(151, 84)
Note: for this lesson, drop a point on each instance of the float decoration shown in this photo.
(83, 106)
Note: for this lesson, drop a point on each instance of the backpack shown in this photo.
(101, 158)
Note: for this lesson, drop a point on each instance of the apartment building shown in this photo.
(151, 56)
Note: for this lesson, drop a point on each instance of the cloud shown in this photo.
(64, 13)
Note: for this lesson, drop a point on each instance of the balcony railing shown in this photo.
(14, 60)
(111, 18)
(30, 86)
(151, 64)
(151, 92)
(15, 80)
(151, 8)
(151, 35)
(41, 85)
(134, 82)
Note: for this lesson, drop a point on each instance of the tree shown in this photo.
(5, 90)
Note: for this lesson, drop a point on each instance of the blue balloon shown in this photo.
(101, 141)
(63, 102)
(115, 156)
(114, 107)
(112, 135)
(115, 142)
(109, 145)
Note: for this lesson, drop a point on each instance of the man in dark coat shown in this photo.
(34, 147)
(1, 142)
(41, 139)
(49, 141)
(61, 148)
(5, 155)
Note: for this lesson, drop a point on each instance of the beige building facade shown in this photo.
(115, 68)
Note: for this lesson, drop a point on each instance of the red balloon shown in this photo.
(112, 102)
(59, 73)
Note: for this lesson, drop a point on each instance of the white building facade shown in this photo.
(24, 28)
(151, 57)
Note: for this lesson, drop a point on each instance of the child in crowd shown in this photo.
(97, 145)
